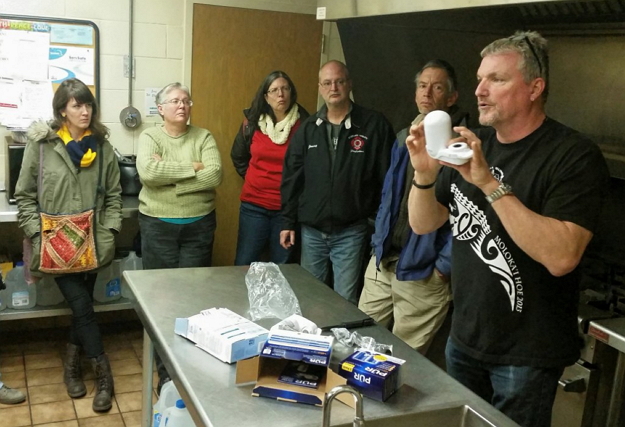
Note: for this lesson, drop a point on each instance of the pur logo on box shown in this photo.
(375, 375)
(317, 360)
(362, 378)
(376, 371)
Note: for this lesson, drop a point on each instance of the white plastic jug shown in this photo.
(131, 262)
(107, 287)
(3, 299)
(116, 274)
(48, 292)
(177, 416)
(167, 399)
(21, 295)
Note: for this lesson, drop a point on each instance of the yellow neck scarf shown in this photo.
(88, 156)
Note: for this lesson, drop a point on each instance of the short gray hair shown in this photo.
(532, 47)
(162, 94)
(452, 82)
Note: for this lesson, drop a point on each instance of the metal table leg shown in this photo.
(616, 399)
(148, 362)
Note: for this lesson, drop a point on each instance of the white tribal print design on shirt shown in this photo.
(470, 224)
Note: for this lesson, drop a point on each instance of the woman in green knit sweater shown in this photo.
(179, 166)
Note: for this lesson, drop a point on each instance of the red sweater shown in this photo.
(264, 174)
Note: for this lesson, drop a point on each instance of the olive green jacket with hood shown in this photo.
(67, 189)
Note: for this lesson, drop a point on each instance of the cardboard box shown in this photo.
(223, 333)
(281, 348)
(375, 375)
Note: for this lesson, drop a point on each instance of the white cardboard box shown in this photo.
(223, 333)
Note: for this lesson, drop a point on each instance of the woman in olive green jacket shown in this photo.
(74, 147)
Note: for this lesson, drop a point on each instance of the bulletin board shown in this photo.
(36, 55)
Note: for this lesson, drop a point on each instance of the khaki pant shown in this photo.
(418, 308)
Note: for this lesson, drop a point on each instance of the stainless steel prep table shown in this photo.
(612, 333)
(207, 384)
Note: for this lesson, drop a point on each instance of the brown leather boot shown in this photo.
(102, 401)
(73, 373)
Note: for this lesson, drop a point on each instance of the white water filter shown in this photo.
(437, 129)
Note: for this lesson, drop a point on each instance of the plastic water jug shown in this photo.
(131, 262)
(177, 416)
(3, 299)
(107, 285)
(48, 292)
(116, 274)
(167, 399)
(21, 295)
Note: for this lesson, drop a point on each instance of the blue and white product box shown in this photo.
(375, 375)
(282, 347)
(223, 333)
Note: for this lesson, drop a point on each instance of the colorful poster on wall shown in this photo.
(71, 62)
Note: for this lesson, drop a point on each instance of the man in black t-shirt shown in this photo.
(523, 210)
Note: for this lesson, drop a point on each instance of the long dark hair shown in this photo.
(260, 105)
(74, 88)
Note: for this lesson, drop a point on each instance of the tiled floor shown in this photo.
(35, 366)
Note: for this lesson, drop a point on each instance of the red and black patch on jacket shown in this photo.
(357, 142)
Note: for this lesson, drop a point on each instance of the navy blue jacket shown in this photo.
(422, 252)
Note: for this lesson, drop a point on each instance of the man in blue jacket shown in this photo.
(407, 279)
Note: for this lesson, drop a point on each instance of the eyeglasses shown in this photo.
(327, 84)
(531, 46)
(177, 102)
(274, 91)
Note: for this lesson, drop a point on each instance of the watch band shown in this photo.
(423, 187)
(503, 190)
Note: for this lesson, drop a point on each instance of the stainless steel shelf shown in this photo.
(8, 212)
(61, 310)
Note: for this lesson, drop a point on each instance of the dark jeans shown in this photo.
(524, 393)
(259, 228)
(167, 245)
(78, 292)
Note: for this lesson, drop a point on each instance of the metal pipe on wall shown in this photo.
(130, 117)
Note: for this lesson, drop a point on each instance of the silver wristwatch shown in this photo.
(503, 190)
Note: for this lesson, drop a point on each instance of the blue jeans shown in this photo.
(259, 228)
(167, 245)
(344, 249)
(78, 292)
(524, 393)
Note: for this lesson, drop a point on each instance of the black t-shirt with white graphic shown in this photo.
(508, 308)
